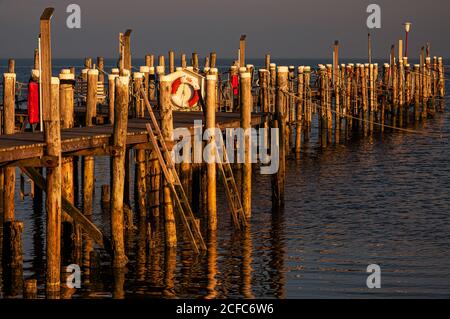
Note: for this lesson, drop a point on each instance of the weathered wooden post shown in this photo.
(111, 95)
(9, 91)
(242, 45)
(279, 179)
(52, 136)
(127, 50)
(145, 70)
(12, 258)
(299, 110)
(272, 83)
(137, 85)
(183, 61)
(66, 109)
(264, 97)
(152, 84)
(167, 132)
(267, 62)
(150, 60)
(441, 83)
(195, 64)
(211, 96)
(89, 163)
(213, 60)
(30, 289)
(118, 167)
(246, 111)
(171, 61)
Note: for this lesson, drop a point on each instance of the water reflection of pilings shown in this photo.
(278, 280)
(247, 259)
(211, 266)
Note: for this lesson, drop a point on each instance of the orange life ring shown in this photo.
(178, 96)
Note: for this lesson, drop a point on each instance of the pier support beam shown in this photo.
(167, 132)
(211, 83)
(246, 109)
(118, 167)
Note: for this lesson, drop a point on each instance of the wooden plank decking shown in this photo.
(30, 145)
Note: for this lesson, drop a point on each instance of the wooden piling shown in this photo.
(242, 45)
(211, 97)
(30, 289)
(246, 109)
(9, 90)
(118, 163)
(195, 64)
(89, 162)
(54, 191)
(12, 258)
(279, 179)
(111, 95)
(171, 61)
(141, 182)
(213, 60)
(167, 132)
(52, 137)
(299, 110)
(183, 61)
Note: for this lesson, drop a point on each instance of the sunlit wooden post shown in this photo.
(9, 91)
(211, 82)
(118, 167)
(167, 132)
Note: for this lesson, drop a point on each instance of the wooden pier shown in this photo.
(129, 110)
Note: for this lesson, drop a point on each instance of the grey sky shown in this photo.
(285, 28)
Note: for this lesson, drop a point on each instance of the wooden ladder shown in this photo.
(168, 167)
(231, 189)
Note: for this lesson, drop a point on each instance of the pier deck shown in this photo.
(23, 146)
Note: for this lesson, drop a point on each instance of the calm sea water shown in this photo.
(378, 200)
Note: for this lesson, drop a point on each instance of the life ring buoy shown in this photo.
(185, 92)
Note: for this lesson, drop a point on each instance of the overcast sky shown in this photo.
(284, 28)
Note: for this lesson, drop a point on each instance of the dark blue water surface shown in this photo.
(380, 200)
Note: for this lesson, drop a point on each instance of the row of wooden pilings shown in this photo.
(62, 176)
(356, 96)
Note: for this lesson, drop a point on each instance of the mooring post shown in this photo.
(12, 258)
(246, 111)
(167, 132)
(194, 63)
(267, 60)
(118, 167)
(171, 61)
(183, 60)
(9, 91)
(71, 233)
(111, 95)
(151, 84)
(145, 70)
(278, 179)
(54, 190)
(213, 60)
(30, 289)
(299, 110)
(272, 83)
(242, 51)
(401, 91)
(89, 163)
(211, 96)
(138, 78)
(52, 137)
